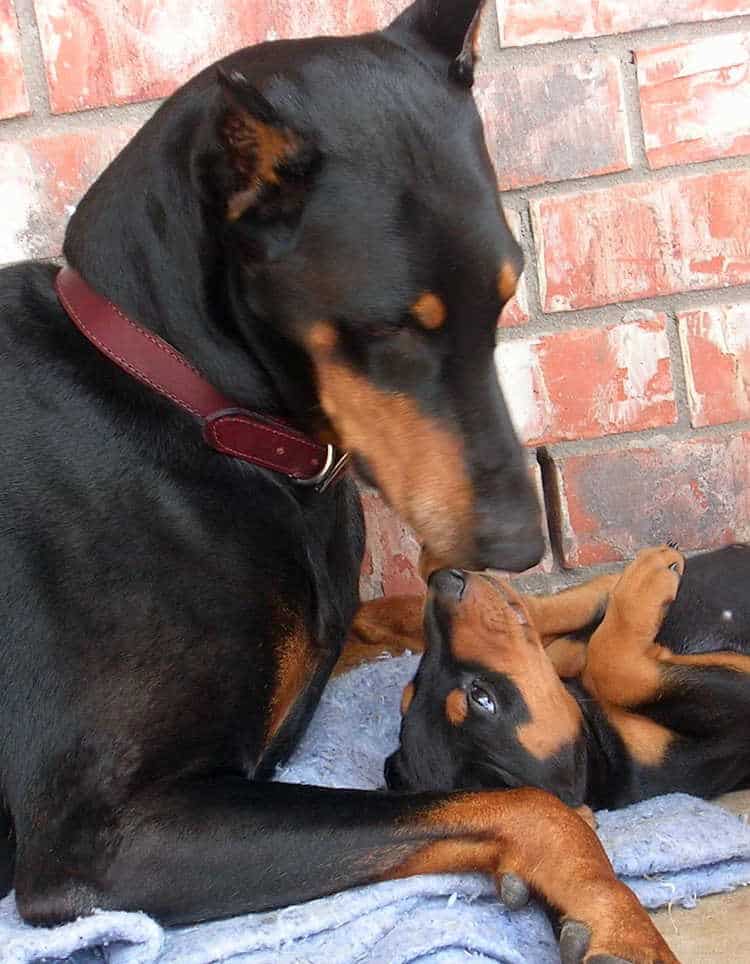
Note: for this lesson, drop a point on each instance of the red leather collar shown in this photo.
(231, 430)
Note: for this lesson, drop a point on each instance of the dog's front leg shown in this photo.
(225, 846)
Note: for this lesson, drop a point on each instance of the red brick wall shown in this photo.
(620, 131)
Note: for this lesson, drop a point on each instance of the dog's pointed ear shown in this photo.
(269, 163)
(449, 26)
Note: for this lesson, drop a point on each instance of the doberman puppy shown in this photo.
(302, 248)
(620, 689)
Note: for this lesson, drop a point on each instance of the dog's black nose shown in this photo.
(448, 582)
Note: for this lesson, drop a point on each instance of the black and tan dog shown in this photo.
(620, 689)
(301, 248)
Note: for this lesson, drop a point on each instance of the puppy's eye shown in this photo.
(481, 699)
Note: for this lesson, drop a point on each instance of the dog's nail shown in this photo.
(514, 892)
(574, 942)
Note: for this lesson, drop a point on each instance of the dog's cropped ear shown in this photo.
(269, 163)
(450, 26)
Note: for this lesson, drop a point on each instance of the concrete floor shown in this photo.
(717, 929)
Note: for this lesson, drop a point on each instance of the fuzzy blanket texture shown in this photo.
(669, 850)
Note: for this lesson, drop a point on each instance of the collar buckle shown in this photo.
(335, 465)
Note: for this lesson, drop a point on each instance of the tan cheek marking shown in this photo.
(555, 718)
(322, 336)
(429, 311)
(432, 493)
(406, 697)
(507, 282)
(646, 741)
(456, 707)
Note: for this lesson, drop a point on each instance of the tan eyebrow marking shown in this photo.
(430, 311)
(322, 336)
(507, 281)
(456, 707)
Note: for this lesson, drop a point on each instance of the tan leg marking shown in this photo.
(534, 835)
(568, 656)
(623, 666)
(296, 663)
(572, 609)
(647, 742)
(391, 625)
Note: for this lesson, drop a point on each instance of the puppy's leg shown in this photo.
(572, 609)
(625, 665)
(389, 626)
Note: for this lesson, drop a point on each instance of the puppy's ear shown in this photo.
(449, 26)
(270, 165)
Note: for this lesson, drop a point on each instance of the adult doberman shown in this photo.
(622, 688)
(309, 233)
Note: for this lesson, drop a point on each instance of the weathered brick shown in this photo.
(40, 182)
(516, 312)
(392, 555)
(117, 51)
(612, 503)
(695, 99)
(545, 21)
(640, 240)
(13, 97)
(589, 382)
(554, 122)
(716, 350)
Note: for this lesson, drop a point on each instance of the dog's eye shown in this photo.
(482, 699)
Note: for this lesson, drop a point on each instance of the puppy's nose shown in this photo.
(448, 582)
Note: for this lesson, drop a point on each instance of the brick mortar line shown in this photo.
(594, 182)
(679, 381)
(604, 315)
(634, 131)
(643, 438)
(531, 268)
(607, 44)
(96, 119)
(32, 60)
